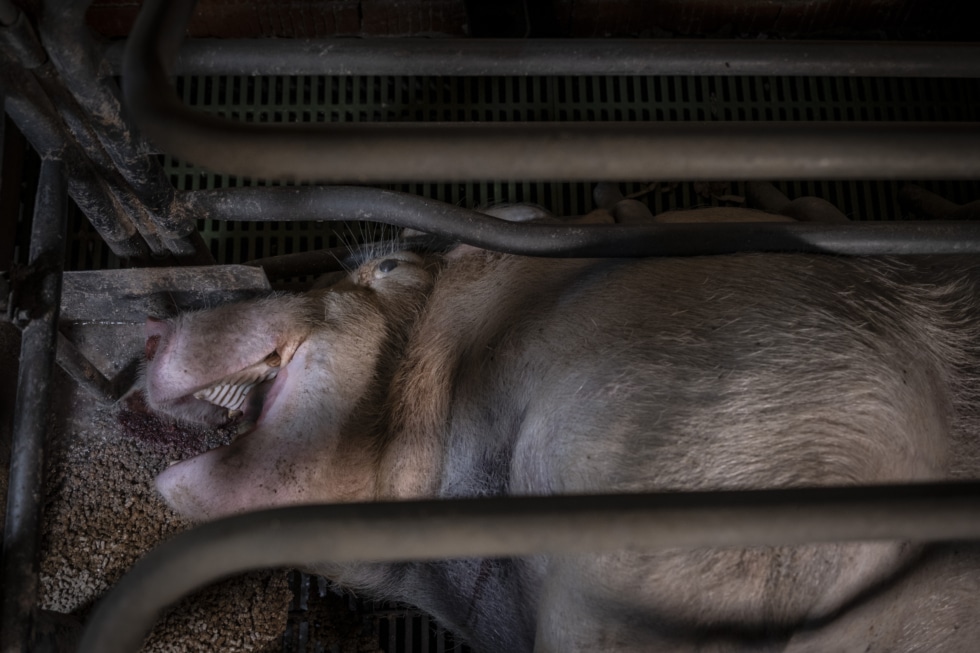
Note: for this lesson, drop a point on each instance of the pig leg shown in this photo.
(803, 209)
(933, 607)
(532, 213)
(593, 603)
(520, 213)
(508, 212)
(623, 211)
(921, 203)
(628, 211)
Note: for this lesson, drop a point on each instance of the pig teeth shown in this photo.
(227, 395)
(231, 392)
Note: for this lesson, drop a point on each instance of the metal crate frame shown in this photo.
(137, 211)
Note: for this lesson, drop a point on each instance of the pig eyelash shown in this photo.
(385, 245)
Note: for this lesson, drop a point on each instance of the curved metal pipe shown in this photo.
(589, 240)
(516, 526)
(365, 152)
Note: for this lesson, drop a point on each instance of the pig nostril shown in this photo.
(273, 359)
(388, 265)
(151, 347)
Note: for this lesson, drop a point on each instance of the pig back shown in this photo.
(702, 373)
(736, 372)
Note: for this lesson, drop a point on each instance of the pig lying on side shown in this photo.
(479, 374)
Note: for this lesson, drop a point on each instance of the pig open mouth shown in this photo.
(237, 404)
(245, 394)
(240, 392)
(276, 371)
(239, 385)
(257, 404)
(224, 412)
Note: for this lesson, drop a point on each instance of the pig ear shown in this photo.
(155, 327)
(154, 330)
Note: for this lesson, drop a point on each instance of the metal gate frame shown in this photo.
(91, 153)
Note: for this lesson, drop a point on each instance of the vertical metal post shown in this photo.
(40, 308)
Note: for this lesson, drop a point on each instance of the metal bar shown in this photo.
(130, 295)
(41, 102)
(35, 115)
(302, 263)
(23, 522)
(517, 526)
(589, 240)
(80, 131)
(9, 13)
(560, 57)
(46, 93)
(366, 152)
(84, 373)
(7, 219)
(17, 37)
(66, 38)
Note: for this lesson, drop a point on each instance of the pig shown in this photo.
(471, 373)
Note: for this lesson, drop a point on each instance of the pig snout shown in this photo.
(192, 380)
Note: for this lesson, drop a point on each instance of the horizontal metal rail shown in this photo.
(303, 263)
(367, 152)
(620, 57)
(517, 526)
(588, 240)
